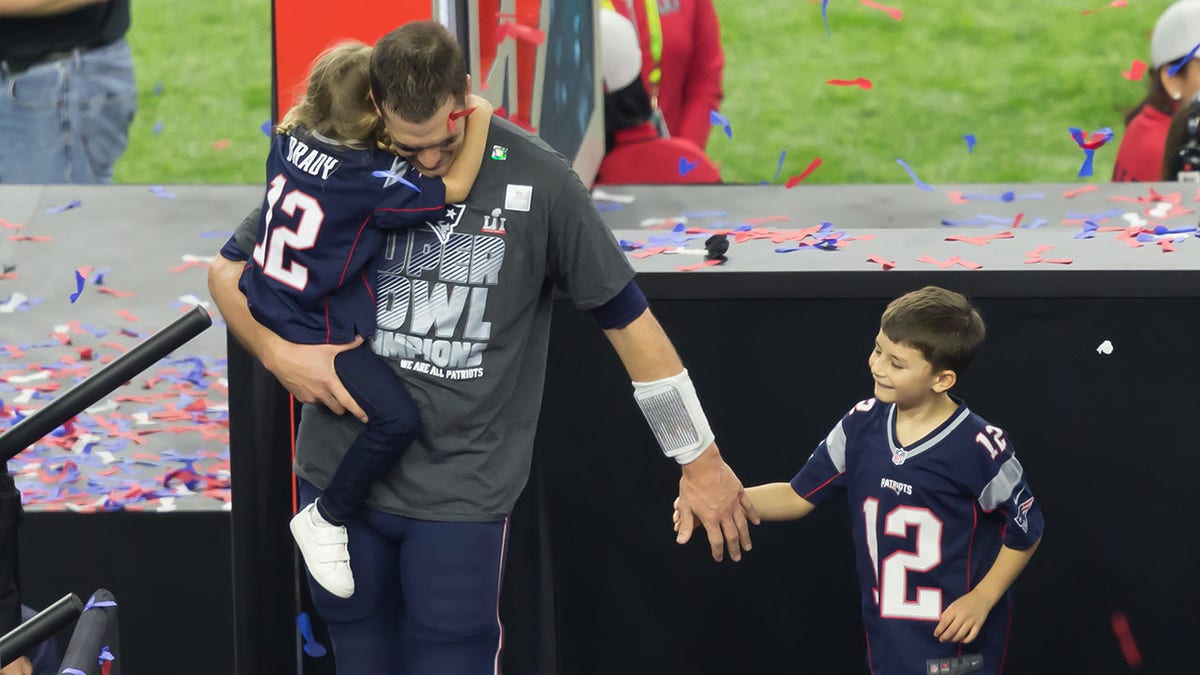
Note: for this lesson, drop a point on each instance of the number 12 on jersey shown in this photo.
(891, 588)
(270, 252)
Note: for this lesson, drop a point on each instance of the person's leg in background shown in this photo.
(363, 627)
(103, 97)
(451, 574)
(33, 122)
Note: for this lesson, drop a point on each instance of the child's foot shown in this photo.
(323, 547)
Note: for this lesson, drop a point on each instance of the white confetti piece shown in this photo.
(188, 257)
(1105, 348)
(25, 379)
(13, 303)
(193, 300)
(601, 195)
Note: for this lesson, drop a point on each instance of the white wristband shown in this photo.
(674, 414)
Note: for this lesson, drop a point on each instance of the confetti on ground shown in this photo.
(795, 180)
(1071, 194)
(885, 263)
(718, 120)
(80, 281)
(222, 144)
(1136, 70)
(950, 262)
(1105, 348)
(912, 174)
(893, 12)
(601, 195)
(1035, 256)
(13, 303)
(74, 204)
(982, 240)
(862, 82)
(8, 225)
(160, 192)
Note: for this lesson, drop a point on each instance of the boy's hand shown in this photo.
(963, 619)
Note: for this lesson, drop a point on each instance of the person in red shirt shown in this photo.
(682, 61)
(636, 151)
(1177, 33)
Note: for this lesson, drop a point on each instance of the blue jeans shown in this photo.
(426, 596)
(67, 120)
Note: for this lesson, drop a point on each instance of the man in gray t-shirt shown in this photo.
(463, 318)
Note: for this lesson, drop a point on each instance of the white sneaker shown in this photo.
(324, 548)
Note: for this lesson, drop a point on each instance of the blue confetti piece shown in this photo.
(912, 174)
(158, 128)
(608, 206)
(311, 647)
(161, 193)
(971, 142)
(685, 167)
(266, 128)
(1089, 230)
(1089, 157)
(718, 120)
(396, 177)
(679, 228)
(1040, 222)
(158, 88)
(74, 204)
(1182, 62)
(964, 222)
(779, 166)
(1163, 229)
(91, 603)
(704, 214)
(80, 280)
(72, 671)
(105, 655)
(627, 245)
(1094, 216)
(825, 15)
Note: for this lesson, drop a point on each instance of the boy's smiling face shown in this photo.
(902, 374)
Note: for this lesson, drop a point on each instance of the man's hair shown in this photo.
(336, 102)
(941, 324)
(415, 68)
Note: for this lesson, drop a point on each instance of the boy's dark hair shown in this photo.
(415, 68)
(941, 324)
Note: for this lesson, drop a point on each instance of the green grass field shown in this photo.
(1014, 73)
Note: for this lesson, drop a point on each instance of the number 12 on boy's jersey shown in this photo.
(269, 253)
(891, 588)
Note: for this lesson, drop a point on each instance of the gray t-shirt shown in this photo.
(464, 319)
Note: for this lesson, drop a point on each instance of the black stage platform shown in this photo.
(777, 344)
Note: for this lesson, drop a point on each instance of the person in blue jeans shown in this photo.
(67, 90)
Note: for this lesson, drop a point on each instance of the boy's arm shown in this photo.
(465, 168)
(963, 619)
(778, 501)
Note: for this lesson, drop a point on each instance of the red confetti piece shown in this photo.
(647, 252)
(127, 315)
(85, 353)
(1129, 648)
(795, 180)
(957, 197)
(1035, 256)
(9, 225)
(893, 12)
(220, 145)
(26, 237)
(981, 240)
(113, 345)
(1017, 221)
(887, 264)
(458, 114)
(860, 82)
(1136, 70)
(1071, 194)
(112, 291)
(1167, 245)
(188, 265)
(950, 262)
(1114, 4)
(693, 268)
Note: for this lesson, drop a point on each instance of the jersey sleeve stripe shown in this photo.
(821, 486)
(1000, 488)
(835, 445)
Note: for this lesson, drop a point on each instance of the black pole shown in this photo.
(43, 625)
(124, 368)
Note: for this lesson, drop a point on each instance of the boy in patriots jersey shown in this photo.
(943, 518)
(333, 194)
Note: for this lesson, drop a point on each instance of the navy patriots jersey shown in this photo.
(928, 522)
(326, 210)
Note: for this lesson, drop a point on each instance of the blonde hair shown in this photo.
(337, 102)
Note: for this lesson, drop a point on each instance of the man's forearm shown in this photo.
(31, 8)
(223, 277)
(645, 349)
